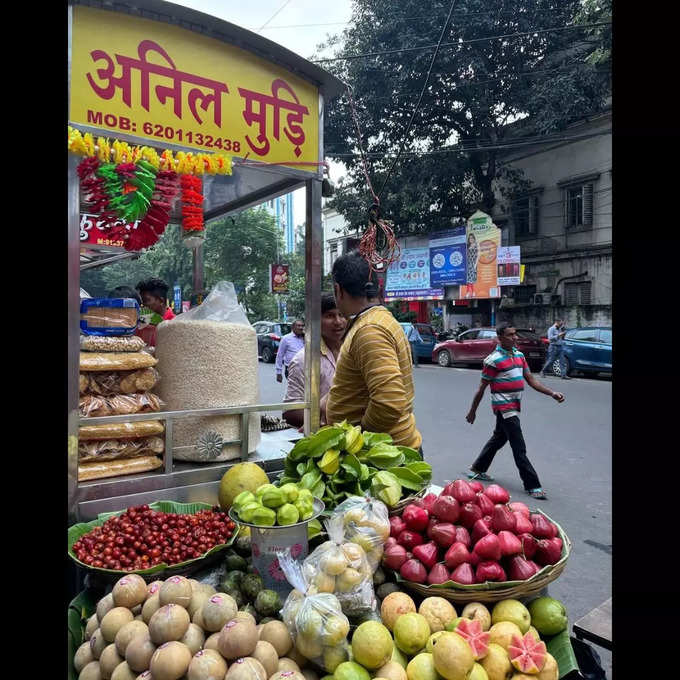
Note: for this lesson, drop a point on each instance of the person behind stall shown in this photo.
(333, 326)
(145, 331)
(373, 383)
(154, 293)
(290, 345)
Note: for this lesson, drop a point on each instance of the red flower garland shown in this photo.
(192, 203)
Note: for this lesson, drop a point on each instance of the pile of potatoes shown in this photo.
(180, 629)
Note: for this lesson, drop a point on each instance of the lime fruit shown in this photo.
(548, 615)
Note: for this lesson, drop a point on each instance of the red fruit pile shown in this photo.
(141, 538)
(470, 534)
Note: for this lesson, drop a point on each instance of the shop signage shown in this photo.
(409, 277)
(483, 239)
(93, 232)
(278, 278)
(447, 257)
(508, 266)
(166, 84)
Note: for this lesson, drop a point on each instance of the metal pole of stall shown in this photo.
(197, 252)
(313, 239)
(73, 320)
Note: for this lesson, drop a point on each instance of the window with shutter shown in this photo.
(588, 205)
(586, 287)
(571, 293)
(525, 215)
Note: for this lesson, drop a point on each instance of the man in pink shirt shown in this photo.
(333, 326)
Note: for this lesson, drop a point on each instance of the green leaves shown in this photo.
(385, 455)
(373, 438)
(317, 444)
(407, 478)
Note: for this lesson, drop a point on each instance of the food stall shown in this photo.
(188, 88)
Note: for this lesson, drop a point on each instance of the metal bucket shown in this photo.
(267, 541)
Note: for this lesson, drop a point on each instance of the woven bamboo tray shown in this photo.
(492, 591)
(399, 507)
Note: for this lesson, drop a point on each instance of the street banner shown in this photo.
(160, 82)
(447, 257)
(508, 266)
(483, 239)
(409, 277)
(278, 278)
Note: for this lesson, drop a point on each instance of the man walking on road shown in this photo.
(556, 334)
(506, 369)
(413, 338)
(290, 345)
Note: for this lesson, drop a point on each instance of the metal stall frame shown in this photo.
(197, 481)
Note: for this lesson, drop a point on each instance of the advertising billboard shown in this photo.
(409, 277)
(483, 239)
(447, 257)
(508, 266)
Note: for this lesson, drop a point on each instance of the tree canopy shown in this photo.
(499, 62)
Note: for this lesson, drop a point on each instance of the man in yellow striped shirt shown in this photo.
(373, 382)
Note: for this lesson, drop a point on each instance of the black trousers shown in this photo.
(508, 430)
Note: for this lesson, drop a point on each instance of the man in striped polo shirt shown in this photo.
(506, 369)
(373, 382)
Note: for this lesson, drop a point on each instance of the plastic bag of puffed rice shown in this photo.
(96, 343)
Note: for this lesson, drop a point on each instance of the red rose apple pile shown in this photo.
(470, 534)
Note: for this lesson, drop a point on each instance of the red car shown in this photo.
(473, 346)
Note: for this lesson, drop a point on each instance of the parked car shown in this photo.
(424, 348)
(473, 346)
(587, 349)
(269, 334)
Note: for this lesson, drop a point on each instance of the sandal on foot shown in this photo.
(481, 476)
(537, 493)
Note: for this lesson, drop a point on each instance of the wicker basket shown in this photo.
(399, 507)
(494, 592)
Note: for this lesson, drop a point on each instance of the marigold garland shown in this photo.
(121, 152)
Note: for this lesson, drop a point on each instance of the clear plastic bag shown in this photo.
(116, 468)
(220, 305)
(315, 620)
(92, 405)
(111, 343)
(140, 428)
(116, 361)
(112, 449)
(118, 382)
(366, 522)
(340, 567)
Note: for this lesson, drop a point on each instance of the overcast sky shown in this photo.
(271, 19)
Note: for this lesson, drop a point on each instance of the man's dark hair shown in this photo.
(352, 273)
(502, 327)
(156, 287)
(328, 302)
(125, 292)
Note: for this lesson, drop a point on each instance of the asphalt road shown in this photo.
(569, 445)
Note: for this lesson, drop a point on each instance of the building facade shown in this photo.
(337, 239)
(563, 224)
(281, 208)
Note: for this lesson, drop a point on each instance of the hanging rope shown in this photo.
(378, 245)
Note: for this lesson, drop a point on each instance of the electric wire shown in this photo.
(422, 92)
(349, 57)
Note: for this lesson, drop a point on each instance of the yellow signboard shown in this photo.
(170, 85)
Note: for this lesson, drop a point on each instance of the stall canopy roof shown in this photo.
(249, 184)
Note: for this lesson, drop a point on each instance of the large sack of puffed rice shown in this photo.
(208, 364)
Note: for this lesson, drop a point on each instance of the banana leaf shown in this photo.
(560, 647)
(79, 610)
(407, 478)
(78, 530)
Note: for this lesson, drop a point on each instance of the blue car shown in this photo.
(423, 349)
(588, 350)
